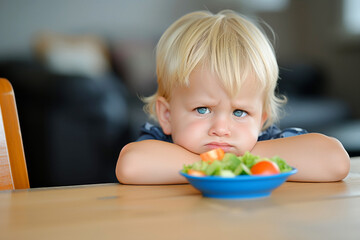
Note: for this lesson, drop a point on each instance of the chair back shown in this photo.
(13, 170)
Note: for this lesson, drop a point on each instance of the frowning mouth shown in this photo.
(225, 146)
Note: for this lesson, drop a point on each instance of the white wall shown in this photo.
(21, 20)
(307, 30)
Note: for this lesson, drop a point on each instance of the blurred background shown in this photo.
(78, 67)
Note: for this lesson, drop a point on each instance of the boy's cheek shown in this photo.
(189, 133)
(197, 128)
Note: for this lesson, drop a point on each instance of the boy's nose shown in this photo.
(220, 127)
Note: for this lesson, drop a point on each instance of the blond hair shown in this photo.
(229, 44)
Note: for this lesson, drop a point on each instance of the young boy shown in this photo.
(217, 76)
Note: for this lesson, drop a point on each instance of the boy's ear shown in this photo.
(264, 117)
(163, 114)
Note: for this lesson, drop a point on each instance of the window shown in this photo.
(351, 16)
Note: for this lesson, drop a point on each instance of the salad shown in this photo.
(218, 163)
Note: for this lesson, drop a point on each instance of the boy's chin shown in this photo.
(233, 151)
(201, 150)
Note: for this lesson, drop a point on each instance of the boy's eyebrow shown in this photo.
(202, 101)
(249, 108)
(244, 104)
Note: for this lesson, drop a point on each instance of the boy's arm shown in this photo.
(317, 157)
(153, 162)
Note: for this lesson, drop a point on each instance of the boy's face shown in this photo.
(203, 116)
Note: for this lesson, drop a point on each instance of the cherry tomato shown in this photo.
(212, 155)
(196, 173)
(265, 167)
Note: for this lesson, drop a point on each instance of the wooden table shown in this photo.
(115, 211)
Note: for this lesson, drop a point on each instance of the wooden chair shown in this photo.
(13, 170)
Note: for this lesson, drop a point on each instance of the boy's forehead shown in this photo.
(203, 82)
(203, 75)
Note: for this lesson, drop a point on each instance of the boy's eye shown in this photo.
(203, 110)
(239, 113)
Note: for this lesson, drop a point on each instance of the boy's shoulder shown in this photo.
(273, 132)
(151, 131)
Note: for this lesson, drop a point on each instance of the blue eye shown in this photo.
(203, 110)
(239, 113)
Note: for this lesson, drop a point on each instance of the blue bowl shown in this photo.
(239, 187)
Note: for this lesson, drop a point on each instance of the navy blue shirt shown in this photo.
(150, 131)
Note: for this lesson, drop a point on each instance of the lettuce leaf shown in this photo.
(232, 165)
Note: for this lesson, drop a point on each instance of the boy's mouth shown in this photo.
(224, 146)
